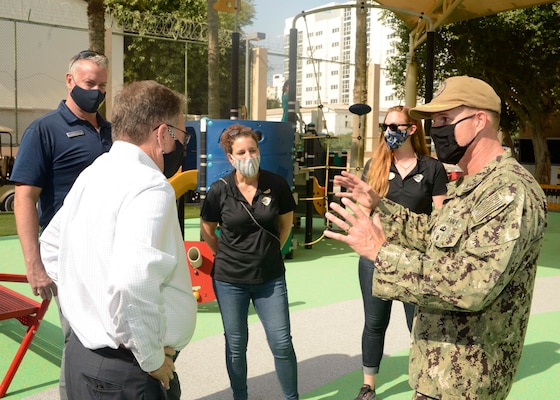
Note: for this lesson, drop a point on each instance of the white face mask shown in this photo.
(248, 167)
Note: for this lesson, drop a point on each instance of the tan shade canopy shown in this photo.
(447, 11)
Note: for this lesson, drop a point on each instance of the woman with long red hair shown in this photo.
(401, 170)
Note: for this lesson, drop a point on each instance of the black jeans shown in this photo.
(377, 314)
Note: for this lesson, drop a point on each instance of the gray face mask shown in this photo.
(248, 167)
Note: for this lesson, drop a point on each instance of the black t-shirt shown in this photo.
(246, 253)
(427, 179)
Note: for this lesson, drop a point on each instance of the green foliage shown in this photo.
(338, 142)
(163, 59)
(517, 52)
(273, 103)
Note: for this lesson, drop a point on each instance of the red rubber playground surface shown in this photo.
(326, 312)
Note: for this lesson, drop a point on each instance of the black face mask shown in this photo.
(447, 149)
(172, 161)
(87, 100)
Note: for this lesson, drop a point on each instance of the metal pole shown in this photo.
(247, 76)
(234, 111)
(16, 84)
(186, 81)
(430, 45)
(292, 69)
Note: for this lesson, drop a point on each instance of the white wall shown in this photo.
(38, 39)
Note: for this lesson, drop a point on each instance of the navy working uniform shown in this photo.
(470, 269)
(54, 150)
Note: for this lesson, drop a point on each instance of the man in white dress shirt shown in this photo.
(116, 253)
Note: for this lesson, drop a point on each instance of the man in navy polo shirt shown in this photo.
(54, 150)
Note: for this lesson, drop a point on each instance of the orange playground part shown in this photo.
(200, 259)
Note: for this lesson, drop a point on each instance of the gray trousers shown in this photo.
(66, 330)
(108, 375)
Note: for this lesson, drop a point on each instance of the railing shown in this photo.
(552, 193)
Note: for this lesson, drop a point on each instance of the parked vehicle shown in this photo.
(7, 194)
(7, 189)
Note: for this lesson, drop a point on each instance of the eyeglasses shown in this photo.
(393, 127)
(187, 134)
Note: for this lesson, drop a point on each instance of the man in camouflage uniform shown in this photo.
(470, 266)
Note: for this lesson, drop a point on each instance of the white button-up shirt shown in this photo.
(116, 252)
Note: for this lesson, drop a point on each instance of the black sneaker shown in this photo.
(366, 393)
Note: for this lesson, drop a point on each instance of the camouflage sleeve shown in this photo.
(474, 250)
(402, 226)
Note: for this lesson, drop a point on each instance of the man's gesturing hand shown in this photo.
(364, 235)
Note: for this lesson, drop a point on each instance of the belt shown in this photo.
(121, 353)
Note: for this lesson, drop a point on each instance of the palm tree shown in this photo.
(96, 25)
(213, 62)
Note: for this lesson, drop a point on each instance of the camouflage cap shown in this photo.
(460, 91)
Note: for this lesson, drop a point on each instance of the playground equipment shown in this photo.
(27, 311)
(319, 186)
(199, 255)
(552, 193)
(315, 170)
(276, 146)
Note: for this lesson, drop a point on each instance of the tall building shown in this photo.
(275, 90)
(326, 58)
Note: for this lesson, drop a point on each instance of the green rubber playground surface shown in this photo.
(323, 276)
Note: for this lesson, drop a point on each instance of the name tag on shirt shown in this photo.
(75, 133)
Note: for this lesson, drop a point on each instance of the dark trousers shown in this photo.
(110, 374)
(377, 314)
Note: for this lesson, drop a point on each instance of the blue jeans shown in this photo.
(377, 314)
(270, 300)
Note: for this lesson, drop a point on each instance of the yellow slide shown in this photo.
(184, 181)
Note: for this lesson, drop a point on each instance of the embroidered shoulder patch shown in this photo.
(495, 202)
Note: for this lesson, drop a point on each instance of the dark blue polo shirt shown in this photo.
(246, 253)
(427, 179)
(54, 150)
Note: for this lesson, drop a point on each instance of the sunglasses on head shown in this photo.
(235, 132)
(393, 127)
(88, 54)
(85, 54)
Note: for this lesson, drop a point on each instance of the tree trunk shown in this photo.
(213, 62)
(96, 25)
(507, 139)
(536, 129)
(360, 88)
